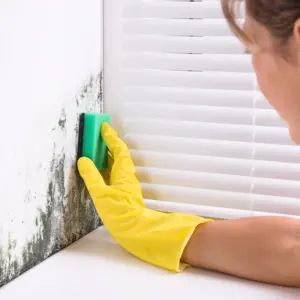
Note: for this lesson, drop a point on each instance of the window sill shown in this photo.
(96, 267)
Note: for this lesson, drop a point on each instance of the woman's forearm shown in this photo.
(265, 249)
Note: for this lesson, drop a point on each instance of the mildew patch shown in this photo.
(92, 93)
(66, 213)
(62, 120)
(79, 214)
(99, 81)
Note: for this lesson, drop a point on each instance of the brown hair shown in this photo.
(278, 16)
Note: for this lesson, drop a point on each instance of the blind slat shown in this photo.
(214, 148)
(221, 165)
(174, 10)
(243, 201)
(230, 132)
(207, 80)
(187, 62)
(207, 211)
(204, 114)
(172, 44)
(220, 182)
(180, 27)
(195, 96)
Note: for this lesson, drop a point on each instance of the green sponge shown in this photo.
(90, 142)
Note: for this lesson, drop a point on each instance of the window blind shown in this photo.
(183, 96)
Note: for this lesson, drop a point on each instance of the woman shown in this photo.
(265, 249)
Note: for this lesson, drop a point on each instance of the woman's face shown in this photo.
(278, 73)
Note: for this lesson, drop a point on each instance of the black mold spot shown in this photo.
(99, 98)
(88, 89)
(59, 175)
(2, 267)
(78, 217)
(38, 248)
(62, 120)
(76, 211)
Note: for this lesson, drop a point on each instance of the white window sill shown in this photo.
(97, 268)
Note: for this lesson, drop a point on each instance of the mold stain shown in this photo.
(62, 120)
(92, 93)
(99, 80)
(67, 213)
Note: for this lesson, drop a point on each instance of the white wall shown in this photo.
(50, 71)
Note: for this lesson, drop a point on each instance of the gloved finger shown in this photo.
(112, 140)
(90, 174)
(123, 170)
(110, 162)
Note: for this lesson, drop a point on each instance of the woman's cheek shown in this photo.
(261, 75)
(259, 71)
(266, 74)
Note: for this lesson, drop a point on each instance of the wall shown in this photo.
(51, 70)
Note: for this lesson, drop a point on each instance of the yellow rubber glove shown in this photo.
(155, 237)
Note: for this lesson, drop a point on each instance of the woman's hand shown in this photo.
(154, 237)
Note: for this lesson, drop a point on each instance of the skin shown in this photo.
(265, 249)
(277, 68)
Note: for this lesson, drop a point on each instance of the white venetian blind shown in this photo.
(183, 96)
